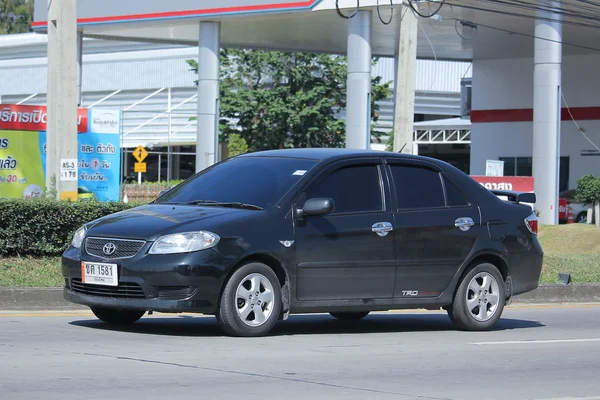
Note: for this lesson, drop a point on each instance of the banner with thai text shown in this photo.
(23, 152)
(507, 183)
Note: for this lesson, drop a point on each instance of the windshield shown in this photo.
(259, 181)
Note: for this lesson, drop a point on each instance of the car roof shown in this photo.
(330, 153)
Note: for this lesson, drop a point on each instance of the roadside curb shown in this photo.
(20, 299)
(572, 293)
(31, 299)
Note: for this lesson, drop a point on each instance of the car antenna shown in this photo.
(400, 151)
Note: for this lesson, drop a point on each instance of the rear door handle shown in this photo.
(464, 223)
(382, 228)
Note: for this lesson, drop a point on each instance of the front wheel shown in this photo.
(117, 317)
(251, 301)
(479, 299)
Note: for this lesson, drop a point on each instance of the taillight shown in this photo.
(532, 224)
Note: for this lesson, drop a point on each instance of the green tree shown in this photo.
(236, 145)
(588, 191)
(15, 16)
(279, 100)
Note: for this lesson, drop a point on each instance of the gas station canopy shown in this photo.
(504, 29)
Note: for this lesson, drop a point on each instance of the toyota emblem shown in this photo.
(109, 249)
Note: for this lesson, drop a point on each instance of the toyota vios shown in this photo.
(259, 236)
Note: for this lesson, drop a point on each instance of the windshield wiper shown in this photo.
(216, 203)
(196, 202)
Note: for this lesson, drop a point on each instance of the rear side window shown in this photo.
(353, 189)
(454, 196)
(417, 187)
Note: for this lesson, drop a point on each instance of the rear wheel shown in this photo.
(450, 311)
(479, 299)
(251, 301)
(349, 316)
(116, 316)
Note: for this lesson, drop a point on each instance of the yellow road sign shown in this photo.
(72, 196)
(140, 154)
(139, 167)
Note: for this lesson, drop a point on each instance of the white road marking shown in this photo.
(537, 342)
(573, 398)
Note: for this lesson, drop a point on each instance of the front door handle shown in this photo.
(464, 224)
(382, 228)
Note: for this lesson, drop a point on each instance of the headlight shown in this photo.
(78, 237)
(184, 242)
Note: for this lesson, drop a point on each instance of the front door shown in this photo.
(436, 228)
(348, 254)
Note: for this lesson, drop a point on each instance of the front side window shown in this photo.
(353, 189)
(417, 187)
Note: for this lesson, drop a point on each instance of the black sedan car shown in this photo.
(262, 235)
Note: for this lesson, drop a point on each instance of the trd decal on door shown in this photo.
(415, 293)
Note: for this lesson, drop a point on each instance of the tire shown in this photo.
(349, 316)
(581, 218)
(116, 316)
(239, 301)
(450, 312)
(466, 314)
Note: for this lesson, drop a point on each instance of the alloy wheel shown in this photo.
(254, 300)
(483, 296)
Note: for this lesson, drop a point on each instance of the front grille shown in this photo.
(123, 248)
(124, 290)
(176, 292)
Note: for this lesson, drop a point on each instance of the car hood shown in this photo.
(150, 221)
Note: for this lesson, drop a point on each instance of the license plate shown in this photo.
(99, 273)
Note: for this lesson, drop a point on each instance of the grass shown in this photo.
(572, 248)
(30, 272)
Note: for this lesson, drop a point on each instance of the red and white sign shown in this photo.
(33, 118)
(509, 183)
(563, 208)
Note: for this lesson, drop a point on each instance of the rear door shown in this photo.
(436, 228)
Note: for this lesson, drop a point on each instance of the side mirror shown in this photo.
(317, 206)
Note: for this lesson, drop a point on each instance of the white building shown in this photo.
(140, 78)
(502, 116)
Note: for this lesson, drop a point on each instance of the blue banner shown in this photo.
(99, 166)
(98, 155)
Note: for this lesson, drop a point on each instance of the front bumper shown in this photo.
(164, 283)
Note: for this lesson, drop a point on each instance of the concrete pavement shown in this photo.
(536, 353)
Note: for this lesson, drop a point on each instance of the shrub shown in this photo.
(45, 227)
(588, 189)
(172, 182)
(237, 145)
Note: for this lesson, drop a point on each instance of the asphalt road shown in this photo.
(536, 353)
